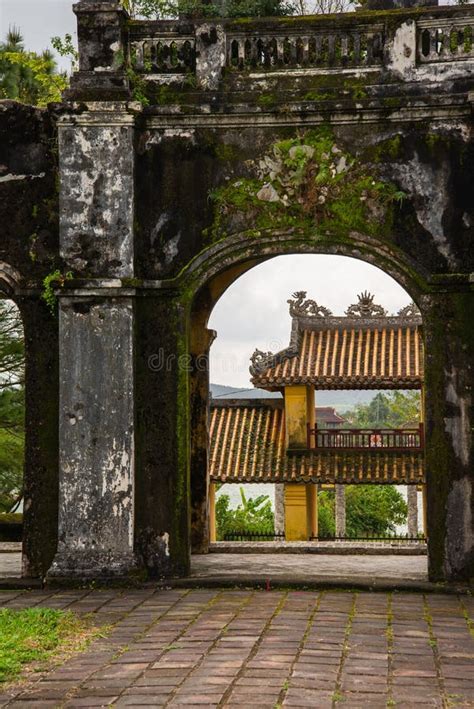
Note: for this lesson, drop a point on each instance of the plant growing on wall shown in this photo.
(50, 282)
(65, 48)
(305, 182)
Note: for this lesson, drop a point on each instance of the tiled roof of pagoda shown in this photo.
(365, 349)
(327, 414)
(247, 444)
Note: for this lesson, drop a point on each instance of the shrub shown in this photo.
(253, 515)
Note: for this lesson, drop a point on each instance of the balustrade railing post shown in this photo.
(102, 33)
(210, 54)
(401, 48)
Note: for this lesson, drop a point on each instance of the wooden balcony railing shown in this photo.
(395, 439)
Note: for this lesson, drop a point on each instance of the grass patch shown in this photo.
(36, 635)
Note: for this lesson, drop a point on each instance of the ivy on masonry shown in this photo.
(305, 182)
(52, 281)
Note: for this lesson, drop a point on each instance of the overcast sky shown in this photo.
(253, 312)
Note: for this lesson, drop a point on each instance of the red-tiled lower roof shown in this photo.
(247, 444)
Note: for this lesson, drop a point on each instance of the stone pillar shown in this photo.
(102, 31)
(424, 510)
(163, 424)
(96, 432)
(340, 510)
(312, 502)
(212, 512)
(412, 516)
(279, 508)
(96, 342)
(201, 341)
(449, 381)
(210, 54)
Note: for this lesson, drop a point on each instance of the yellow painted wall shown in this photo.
(296, 516)
(299, 410)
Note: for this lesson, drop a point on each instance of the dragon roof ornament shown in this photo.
(366, 308)
(410, 312)
(261, 360)
(302, 307)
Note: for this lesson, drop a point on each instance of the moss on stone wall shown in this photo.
(306, 182)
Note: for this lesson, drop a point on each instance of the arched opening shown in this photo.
(28, 428)
(394, 297)
(12, 430)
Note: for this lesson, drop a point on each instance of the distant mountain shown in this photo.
(344, 400)
(220, 391)
(339, 400)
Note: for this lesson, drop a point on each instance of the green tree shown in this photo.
(253, 515)
(160, 9)
(65, 48)
(12, 405)
(370, 509)
(374, 509)
(392, 410)
(326, 521)
(28, 77)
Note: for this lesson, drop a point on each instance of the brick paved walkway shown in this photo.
(264, 649)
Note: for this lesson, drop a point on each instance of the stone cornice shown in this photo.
(373, 111)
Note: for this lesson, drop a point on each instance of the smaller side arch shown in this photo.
(40, 473)
(10, 279)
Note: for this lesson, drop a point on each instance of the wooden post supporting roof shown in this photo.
(296, 513)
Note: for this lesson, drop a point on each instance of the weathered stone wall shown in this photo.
(167, 198)
(430, 162)
(426, 243)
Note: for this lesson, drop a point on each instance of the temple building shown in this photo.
(281, 441)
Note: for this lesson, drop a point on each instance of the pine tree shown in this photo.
(28, 77)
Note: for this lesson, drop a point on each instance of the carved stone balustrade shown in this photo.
(400, 42)
(445, 40)
(162, 48)
(318, 48)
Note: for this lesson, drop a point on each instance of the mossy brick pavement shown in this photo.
(244, 648)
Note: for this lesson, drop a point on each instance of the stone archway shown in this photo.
(201, 338)
(149, 253)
